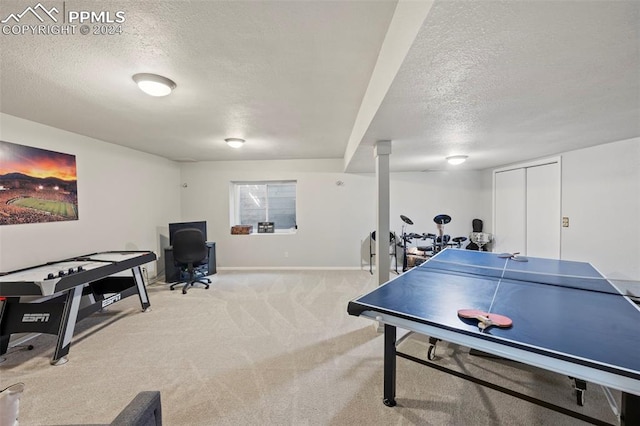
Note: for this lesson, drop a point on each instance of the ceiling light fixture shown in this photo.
(457, 159)
(153, 84)
(234, 142)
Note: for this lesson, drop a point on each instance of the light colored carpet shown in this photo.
(269, 348)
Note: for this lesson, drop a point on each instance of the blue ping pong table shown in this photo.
(567, 318)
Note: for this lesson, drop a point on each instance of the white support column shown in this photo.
(381, 151)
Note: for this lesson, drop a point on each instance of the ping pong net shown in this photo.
(517, 271)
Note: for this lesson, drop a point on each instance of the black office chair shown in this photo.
(190, 251)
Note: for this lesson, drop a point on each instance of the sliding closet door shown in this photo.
(543, 211)
(527, 214)
(510, 212)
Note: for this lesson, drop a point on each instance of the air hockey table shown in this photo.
(53, 297)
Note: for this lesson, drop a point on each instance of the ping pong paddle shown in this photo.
(485, 320)
(513, 256)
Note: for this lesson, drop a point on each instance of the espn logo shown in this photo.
(35, 318)
(113, 299)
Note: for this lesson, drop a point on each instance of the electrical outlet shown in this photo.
(565, 222)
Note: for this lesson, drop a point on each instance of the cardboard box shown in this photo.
(241, 229)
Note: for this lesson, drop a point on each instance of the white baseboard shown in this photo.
(290, 268)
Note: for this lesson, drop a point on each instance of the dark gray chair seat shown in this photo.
(143, 410)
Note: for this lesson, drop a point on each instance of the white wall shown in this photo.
(601, 197)
(422, 195)
(125, 199)
(333, 221)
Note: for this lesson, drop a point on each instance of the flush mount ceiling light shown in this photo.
(457, 159)
(234, 142)
(153, 84)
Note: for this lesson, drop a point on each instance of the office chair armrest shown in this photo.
(144, 410)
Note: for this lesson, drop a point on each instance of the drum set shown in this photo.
(478, 240)
(438, 242)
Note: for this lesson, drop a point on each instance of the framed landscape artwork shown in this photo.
(36, 185)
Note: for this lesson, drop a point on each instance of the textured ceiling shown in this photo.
(507, 81)
(500, 81)
(286, 76)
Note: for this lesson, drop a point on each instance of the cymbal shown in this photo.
(407, 220)
(442, 219)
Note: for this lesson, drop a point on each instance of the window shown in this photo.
(272, 201)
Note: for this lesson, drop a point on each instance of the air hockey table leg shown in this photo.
(5, 335)
(142, 290)
(389, 398)
(67, 325)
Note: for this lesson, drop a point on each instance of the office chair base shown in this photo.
(206, 286)
(204, 281)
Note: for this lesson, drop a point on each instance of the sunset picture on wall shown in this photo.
(36, 185)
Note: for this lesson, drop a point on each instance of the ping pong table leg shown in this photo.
(389, 398)
(630, 410)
